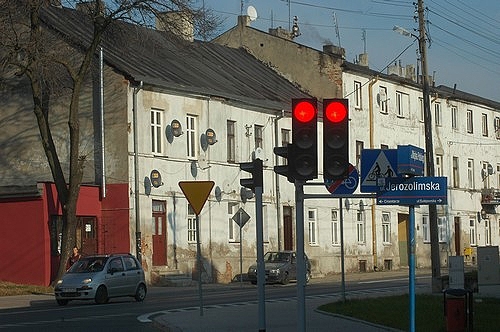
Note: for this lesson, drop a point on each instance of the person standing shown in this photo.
(75, 256)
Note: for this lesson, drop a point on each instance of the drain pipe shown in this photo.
(374, 223)
(277, 177)
(138, 244)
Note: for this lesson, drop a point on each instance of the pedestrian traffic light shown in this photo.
(284, 152)
(254, 168)
(304, 157)
(335, 139)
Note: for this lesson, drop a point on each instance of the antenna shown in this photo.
(336, 27)
(363, 38)
(252, 13)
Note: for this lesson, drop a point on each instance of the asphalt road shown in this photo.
(43, 314)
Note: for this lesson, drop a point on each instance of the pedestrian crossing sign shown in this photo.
(376, 166)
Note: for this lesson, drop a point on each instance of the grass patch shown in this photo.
(393, 311)
(9, 289)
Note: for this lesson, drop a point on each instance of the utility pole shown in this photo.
(429, 150)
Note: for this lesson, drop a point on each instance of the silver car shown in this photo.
(100, 278)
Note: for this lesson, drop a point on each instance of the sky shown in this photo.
(464, 45)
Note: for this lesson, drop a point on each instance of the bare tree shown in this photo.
(27, 50)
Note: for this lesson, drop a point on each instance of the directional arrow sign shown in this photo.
(196, 193)
(419, 190)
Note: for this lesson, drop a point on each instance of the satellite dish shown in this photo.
(202, 162)
(218, 194)
(259, 154)
(252, 13)
(227, 187)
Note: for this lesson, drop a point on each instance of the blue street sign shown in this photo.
(377, 164)
(410, 160)
(346, 186)
(418, 190)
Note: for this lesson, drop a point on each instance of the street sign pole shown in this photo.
(241, 249)
(261, 273)
(411, 234)
(342, 265)
(198, 261)
(301, 268)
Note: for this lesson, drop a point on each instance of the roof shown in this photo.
(442, 90)
(151, 56)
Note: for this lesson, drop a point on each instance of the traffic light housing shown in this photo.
(254, 168)
(303, 156)
(335, 139)
(284, 152)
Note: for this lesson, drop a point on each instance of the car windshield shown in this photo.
(88, 264)
(277, 257)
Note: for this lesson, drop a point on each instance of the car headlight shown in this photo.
(87, 281)
(59, 282)
(274, 271)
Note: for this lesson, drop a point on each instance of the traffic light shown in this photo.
(335, 139)
(285, 152)
(254, 168)
(303, 159)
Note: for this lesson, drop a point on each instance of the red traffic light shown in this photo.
(304, 111)
(335, 112)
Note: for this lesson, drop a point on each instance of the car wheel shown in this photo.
(308, 276)
(286, 279)
(140, 293)
(62, 302)
(101, 295)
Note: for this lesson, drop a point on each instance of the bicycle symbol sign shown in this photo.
(376, 166)
(346, 186)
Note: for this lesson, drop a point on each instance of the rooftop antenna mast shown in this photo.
(336, 28)
(363, 38)
(289, 15)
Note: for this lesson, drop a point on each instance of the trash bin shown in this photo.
(458, 309)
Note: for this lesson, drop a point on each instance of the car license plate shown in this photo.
(69, 290)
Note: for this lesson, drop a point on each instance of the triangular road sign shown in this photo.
(196, 193)
(380, 168)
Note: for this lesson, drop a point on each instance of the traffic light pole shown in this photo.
(261, 273)
(301, 264)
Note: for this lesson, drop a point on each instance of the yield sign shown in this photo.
(196, 193)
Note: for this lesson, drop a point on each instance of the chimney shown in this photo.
(179, 23)
(280, 32)
(363, 60)
(244, 20)
(335, 50)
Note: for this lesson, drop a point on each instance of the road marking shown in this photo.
(389, 280)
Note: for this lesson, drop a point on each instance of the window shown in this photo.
(233, 228)
(437, 114)
(456, 178)
(402, 101)
(383, 99)
(472, 231)
(470, 173)
(258, 136)
(357, 94)
(439, 165)
(386, 228)
(360, 227)
(231, 141)
(312, 224)
(496, 126)
(454, 117)
(485, 175)
(191, 136)
(422, 117)
(470, 123)
(359, 147)
(442, 229)
(191, 222)
(156, 136)
(426, 230)
(384, 146)
(285, 139)
(487, 231)
(484, 124)
(335, 227)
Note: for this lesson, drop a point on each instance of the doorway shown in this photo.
(403, 239)
(287, 228)
(159, 233)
